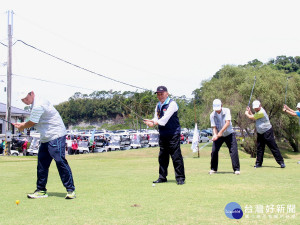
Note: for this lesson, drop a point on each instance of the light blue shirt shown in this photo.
(219, 120)
(47, 120)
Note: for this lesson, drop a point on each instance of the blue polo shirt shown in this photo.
(298, 114)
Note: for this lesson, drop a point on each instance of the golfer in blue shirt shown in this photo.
(293, 113)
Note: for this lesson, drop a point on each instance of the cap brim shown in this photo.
(217, 108)
(22, 96)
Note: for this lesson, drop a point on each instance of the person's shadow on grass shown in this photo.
(56, 194)
(223, 172)
(267, 167)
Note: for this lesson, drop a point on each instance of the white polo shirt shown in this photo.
(47, 119)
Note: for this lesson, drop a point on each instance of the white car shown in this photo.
(83, 147)
(203, 137)
(14, 153)
(114, 143)
(34, 146)
(135, 140)
(153, 139)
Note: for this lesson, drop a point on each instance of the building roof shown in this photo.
(14, 111)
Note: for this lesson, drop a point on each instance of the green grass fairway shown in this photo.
(116, 188)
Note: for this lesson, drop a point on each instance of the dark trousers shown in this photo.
(262, 140)
(170, 146)
(231, 143)
(54, 149)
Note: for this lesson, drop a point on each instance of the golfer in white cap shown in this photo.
(48, 122)
(265, 134)
(220, 120)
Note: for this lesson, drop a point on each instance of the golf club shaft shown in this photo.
(132, 111)
(204, 145)
(6, 121)
(287, 79)
(252, 91)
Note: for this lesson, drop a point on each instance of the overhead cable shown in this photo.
(82, 68)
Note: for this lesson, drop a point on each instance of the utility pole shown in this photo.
(9, 73)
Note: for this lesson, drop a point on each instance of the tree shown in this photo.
(234, 87)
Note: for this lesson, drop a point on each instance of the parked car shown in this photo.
(114, 143)
(153, 139)
(14, 153)
(203, 137)
(34, 146)
(209, 132)
(135, 140)
(125, 141)
(83, 147)
(144, 140)
(100, 143)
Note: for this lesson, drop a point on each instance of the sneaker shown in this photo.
(237, 172)
(257, 166)
(212, 172)
(180, 182)
(70, 195)
(38, 194)
(282, 165)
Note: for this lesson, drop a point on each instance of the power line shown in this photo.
(53, 82)
(77, 67)
(33, 78)
(82, 68)
(3, 44)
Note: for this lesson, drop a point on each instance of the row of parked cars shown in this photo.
(100, 141)
(123, 141)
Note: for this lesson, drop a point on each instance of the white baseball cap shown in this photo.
(256, 104)
(217, 104)
(298, 105)
(23, 94)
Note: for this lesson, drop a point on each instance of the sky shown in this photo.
(174, 43)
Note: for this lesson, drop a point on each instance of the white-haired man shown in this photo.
(166, 118)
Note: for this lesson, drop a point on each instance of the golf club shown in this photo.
(252, 91)
(204, 145)
(6, 121)
(132, 111)
(287, 79)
